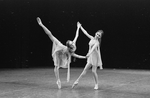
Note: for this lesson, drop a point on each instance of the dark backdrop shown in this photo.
(126, 26)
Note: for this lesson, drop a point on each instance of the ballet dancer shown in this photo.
(93, 56)
(62, 54)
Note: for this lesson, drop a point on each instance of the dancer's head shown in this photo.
(99, 34)
(71, 46)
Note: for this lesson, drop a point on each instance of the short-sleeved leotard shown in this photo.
(95, 57)
(60, 54)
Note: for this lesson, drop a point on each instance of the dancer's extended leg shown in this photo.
(94, 69)
(56, 70)
(82, 74)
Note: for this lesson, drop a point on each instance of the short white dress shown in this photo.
(60, 54)
(95, 57)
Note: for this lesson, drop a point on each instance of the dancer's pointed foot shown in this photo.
(96, 86)
(75, 84)
(68, 80)
(58, 84)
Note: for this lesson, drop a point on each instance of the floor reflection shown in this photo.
(72, 93)
(75, 93)
(59, 93)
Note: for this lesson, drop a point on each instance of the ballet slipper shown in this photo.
(96, 86)
(58, 84)
(68, 80)
(75, 84)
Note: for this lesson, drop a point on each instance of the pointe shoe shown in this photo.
(58, 84)
(68, 80)
(96, 86)
(74, 84)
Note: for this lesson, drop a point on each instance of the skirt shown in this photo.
(94, 59)
(61, 59)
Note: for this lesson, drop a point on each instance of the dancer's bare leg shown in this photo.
(94, 69)
(56, 70)
(48, 32)
(82, 74)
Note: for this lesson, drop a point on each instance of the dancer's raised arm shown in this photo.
(86, 33)
(48, 32)
(77, 32)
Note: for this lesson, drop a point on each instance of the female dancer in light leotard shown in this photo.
(62, 54)
(94, 56)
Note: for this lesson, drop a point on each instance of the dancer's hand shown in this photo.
(39, 21)
(78, 24)
(87, 55)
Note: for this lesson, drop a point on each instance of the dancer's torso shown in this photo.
(94, 57)
(60, 55)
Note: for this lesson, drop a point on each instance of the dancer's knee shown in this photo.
(56, 68)
(84, 72)
(94, 69)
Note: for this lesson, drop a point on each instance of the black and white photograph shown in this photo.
(75, 49)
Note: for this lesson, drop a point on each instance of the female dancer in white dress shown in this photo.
(62, 54)
(94, 57)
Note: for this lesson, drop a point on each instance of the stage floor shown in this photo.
(41, 83)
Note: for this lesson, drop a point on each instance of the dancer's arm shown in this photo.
(78, 56)
(77, 32)
(88, 54)
(86, 33)
(48, 32)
